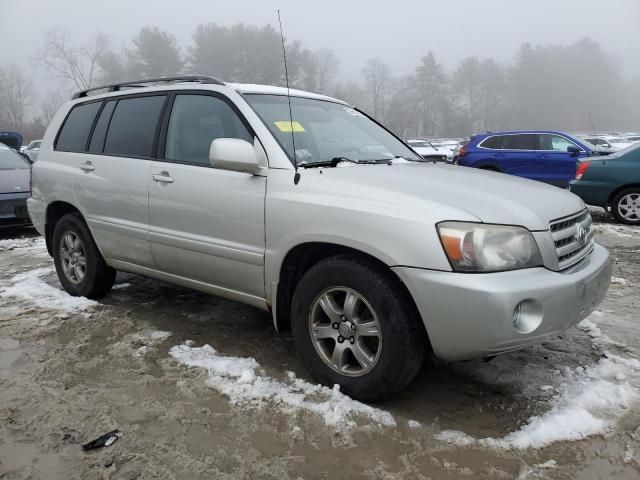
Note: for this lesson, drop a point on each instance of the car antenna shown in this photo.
(593, 127)
(296, 176)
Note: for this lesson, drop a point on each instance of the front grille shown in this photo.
(571, 246)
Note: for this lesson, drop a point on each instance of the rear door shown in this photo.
(206, 224)
(112, 175)
(516, 155)
(559, 164)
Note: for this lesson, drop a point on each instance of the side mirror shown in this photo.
(573, 150)
(236, 155)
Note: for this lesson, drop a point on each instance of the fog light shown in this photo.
(527, 316)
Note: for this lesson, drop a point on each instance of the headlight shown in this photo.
(480, 247)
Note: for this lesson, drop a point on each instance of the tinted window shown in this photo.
(547, 141)
(99, 132)
(494, 143)
(133, 126)
(197, 120)
(75, 131)
(519, 142)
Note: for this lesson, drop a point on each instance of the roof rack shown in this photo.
(115, 87)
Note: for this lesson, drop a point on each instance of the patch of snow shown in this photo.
(141, 342)
(546, 388)
(31, 287)
(589, 403)
(621, 231)
(618, 281)
(120, 286)
(242, 380)
(536, 470)
(30, 243)
(414, 424)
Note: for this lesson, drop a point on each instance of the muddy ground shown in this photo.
(72, 371)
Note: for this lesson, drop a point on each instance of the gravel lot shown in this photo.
(204, 388)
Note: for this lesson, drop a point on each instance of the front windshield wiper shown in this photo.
(336, 160)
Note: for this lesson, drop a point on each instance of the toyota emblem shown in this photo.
(581, 235)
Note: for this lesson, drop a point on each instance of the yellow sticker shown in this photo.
(289, 126)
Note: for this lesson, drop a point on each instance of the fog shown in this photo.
(396, 34)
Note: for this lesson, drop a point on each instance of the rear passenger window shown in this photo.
(75, 132)
(197, 120)
(100, 130)
(494, 143)
(519, 142)
(133, 126)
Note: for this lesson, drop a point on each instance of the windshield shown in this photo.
(10, 160)
(325, 130)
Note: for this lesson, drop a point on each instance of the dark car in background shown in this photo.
(612, 182)
(546, 156)
(15, 179)
(13, 140)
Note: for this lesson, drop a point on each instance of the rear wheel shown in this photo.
(79, 264)
(626, 206)
(354, 326)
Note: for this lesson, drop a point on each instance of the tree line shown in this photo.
(553, 86)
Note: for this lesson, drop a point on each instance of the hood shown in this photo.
(14, 181)
(490, 197)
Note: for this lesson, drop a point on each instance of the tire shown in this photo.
(97, 277)
(489, 169)
(392, 360)
(625, 206)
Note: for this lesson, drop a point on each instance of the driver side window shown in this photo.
(197, 120)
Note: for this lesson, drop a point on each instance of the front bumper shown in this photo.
(13, 208)
(472, 315)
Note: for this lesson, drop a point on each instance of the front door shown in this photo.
(206, 224)
(558, 163)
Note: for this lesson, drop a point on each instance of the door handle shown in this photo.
(87, 167)
(162, 177)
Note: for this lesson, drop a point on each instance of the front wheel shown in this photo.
(354, 326)
(79, 264)
(626, 206)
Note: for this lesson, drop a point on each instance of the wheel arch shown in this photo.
(614, 193)
(55, 211)
(302, 257)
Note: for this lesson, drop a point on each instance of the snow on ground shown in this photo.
(589, 401)
(622, 231)
(242, 380)
(30, 286)
(618, 281)
(141, 342)
(30, 243)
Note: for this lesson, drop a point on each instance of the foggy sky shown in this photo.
(397, 31)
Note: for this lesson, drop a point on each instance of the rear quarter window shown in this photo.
(75, 131)
(494, 143)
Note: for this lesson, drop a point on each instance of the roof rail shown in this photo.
(115, 87)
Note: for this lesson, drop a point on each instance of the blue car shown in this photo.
(546, 156)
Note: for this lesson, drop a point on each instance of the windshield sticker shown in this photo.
(288, 126)
(352, 111)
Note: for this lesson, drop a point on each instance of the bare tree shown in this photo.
(377, 75)
(77, 65)
(16, 91)
(51, 103)
(327, 66)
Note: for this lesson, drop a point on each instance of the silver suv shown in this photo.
(370, 257)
